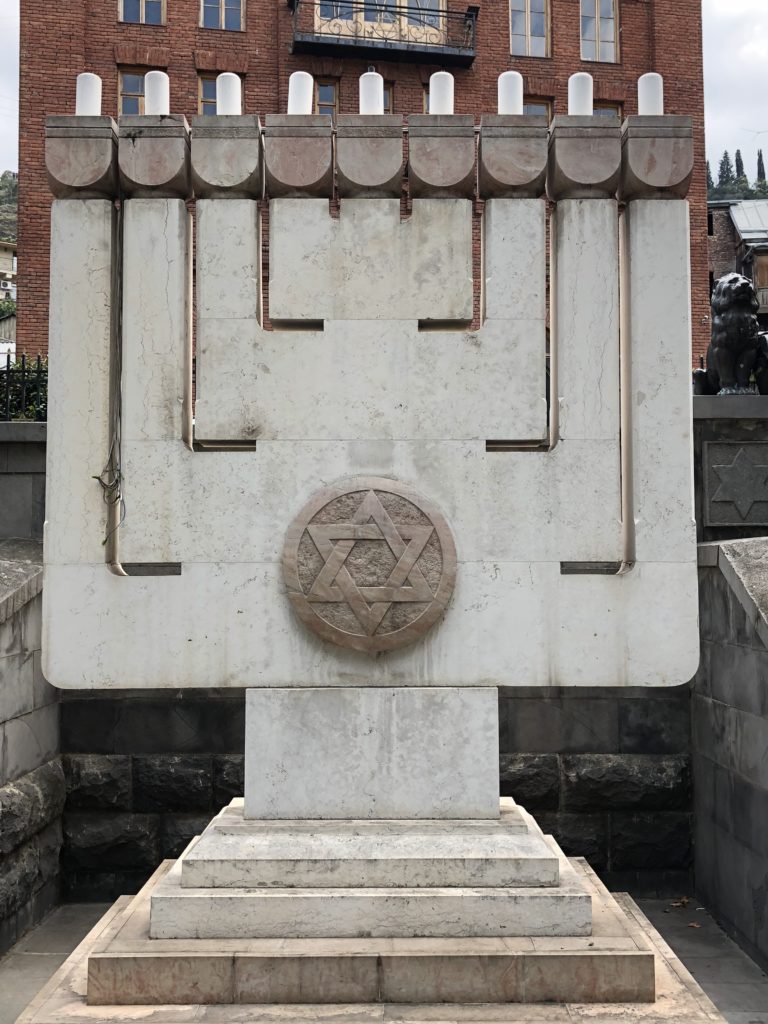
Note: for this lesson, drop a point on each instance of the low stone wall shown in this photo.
(32, 789)
(730, 745)
(22, 480)
(607, 772)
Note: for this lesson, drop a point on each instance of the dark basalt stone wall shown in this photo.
(606, 771)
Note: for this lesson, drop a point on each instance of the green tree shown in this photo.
(7, 306)
(739, 165)
(760, 166)
(9, 198)
(710, 180)
(725, 174)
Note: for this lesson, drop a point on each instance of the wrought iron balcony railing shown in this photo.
(415, 29)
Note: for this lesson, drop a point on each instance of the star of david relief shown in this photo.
(369, 564)
(736, 483)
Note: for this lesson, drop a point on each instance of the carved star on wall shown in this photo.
(742, 483)
(371, 522)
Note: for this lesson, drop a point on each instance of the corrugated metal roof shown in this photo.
(751, 219)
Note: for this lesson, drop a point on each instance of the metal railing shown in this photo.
(419, 26)
(23, 389)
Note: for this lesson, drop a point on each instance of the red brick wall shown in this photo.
(724, 244)
(58, 41)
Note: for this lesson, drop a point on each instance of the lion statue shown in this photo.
(737, 351)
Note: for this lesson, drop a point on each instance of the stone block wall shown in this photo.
(607, 772)
(32, 789)
(22, 480)
(145, 772)
(730, 765)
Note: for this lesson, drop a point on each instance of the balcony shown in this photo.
(430, 31)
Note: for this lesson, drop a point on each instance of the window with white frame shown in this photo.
(529, 28)
(224, 14)
(598, 30)
(143, 12)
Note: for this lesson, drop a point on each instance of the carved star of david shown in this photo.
(742, 483)
(406, 582)
(388, 518)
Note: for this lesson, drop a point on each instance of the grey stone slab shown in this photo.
(29, 741)
(653, 726)
(98, 782)
(714, 607)
(749, 814)
(21, 978)
(738, 996)
(737, 969)
(580, 834)
(21, 580)
(559, 725)
(730, 407)
(17, 685)
(738, 676)
(109, 841)
(62, 930)
(749, 736)
(712, 730)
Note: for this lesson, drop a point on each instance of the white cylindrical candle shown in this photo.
(301, 93)
(580, 95)
(441, 93)
(650, 95)
(371, 93)
(229, 94)
(88, 95)
(510, 92)
(157, 93)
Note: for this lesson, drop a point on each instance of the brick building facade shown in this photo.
(58, 42)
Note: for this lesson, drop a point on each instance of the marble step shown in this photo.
(185, 912)
(371, 854)
(614, 964)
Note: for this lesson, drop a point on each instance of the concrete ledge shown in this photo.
(744, 563)
(22, 432)
(21, 574)
(730, 407)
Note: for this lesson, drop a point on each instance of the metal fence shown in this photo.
(23, 388)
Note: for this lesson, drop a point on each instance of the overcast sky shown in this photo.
(735, 72)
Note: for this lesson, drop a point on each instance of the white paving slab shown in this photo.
(380, 913)
(386, 858)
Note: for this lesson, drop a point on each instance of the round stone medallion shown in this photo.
(369, 564)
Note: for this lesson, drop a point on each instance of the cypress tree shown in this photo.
(760, 166)
(739, 165)
(725, 175)
(710, 180)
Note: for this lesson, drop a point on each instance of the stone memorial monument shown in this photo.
(373, 516)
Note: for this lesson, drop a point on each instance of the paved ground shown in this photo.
(732, 981)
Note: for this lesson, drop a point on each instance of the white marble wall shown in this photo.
(373, 394)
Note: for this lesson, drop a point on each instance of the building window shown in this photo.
(598, 30)
(225, 14)
(389, 97)
(407, 20)
(206, 94)
(542, 108)
(710, 224)
(143, 12)
(131, 92)
(529, 28)
(326, 96)
(607, 110)
(425, 100)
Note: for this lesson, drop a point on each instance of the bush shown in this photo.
(23, 390)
